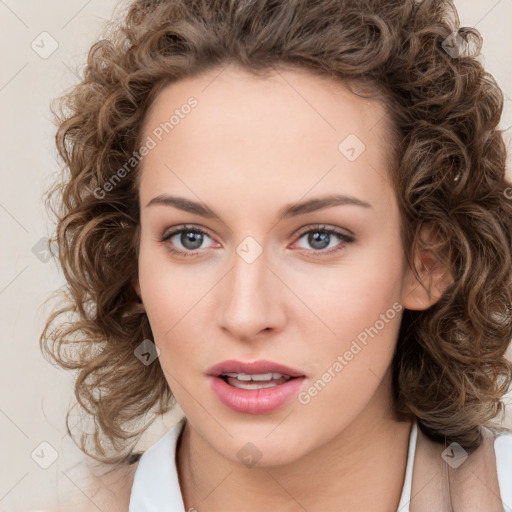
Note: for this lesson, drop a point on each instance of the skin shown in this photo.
(249, 148)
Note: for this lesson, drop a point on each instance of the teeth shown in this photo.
(257, 377)
(245, 385)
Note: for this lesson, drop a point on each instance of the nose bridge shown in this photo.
(250, 298)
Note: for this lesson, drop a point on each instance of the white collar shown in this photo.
(156, 486)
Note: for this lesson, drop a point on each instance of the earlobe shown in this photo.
(136, 286)
(434, 274)
(138, 307)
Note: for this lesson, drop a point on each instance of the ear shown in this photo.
(136, 286)
(434, 273)
(139, 306)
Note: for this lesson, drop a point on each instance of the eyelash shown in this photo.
(319, 228)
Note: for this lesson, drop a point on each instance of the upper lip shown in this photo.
(255, 367)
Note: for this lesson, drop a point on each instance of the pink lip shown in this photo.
(255, 401)
(233, 366)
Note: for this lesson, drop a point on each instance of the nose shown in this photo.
(251, 299)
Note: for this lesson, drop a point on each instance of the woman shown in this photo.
(292, 219)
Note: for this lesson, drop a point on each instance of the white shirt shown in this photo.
(156, 486)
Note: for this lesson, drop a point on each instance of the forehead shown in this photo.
(283, 130)
(235, 100)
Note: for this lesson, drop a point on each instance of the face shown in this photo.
(319, 287)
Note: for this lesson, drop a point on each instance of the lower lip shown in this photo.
(255, 401)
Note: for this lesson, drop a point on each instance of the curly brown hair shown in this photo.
(449, 368)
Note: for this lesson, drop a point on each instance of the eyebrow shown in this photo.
(288, 211)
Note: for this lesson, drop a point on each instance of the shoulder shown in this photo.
(109, 492)
(503, 450)
(503, 445)
(475, 481)
(488, 470)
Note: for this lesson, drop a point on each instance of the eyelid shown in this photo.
(185, 227)
(176, 230)
(326, 227)
(346, 238)
(306, 229)
(337, 250)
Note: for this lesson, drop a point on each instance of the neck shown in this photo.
(361, 468)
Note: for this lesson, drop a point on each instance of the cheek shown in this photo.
(163, 291)
(353, 295)
(169, 304)
(359, 306)
(174, 299)
(364, 315)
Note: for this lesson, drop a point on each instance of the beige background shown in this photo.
(34, 395)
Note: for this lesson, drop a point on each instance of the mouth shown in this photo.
(255, 388)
